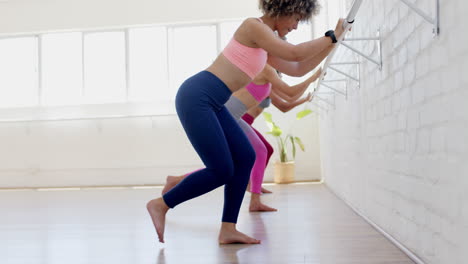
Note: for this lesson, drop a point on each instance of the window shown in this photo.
(18, 72)
(61, 69)
(104, 67)
(148, 69)
(302, 34)
(136, 65)
(227, 30)
(192, 49)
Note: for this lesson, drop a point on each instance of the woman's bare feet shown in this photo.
(171, 181)
(257, 206)
(230, 235)
(263, 189)
(157, 209)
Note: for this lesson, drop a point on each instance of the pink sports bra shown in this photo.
(259, 91)
(249, 60)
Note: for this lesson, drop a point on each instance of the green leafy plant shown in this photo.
(284, 140)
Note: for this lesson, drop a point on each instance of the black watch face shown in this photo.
(330, 33)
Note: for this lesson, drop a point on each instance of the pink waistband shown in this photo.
(248, 118)
(259, 91)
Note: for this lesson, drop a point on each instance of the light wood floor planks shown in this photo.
(112, 226)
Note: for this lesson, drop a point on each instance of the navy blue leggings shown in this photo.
(218, 140)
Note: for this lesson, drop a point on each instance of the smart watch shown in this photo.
(331, 34)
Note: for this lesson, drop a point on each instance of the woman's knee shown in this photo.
(224, 169)
(249, 157)
(261, 151)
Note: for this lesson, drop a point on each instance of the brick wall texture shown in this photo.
(396, 148)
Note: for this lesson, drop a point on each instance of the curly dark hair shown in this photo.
(277, 8)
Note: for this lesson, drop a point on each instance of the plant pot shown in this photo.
(284, 172)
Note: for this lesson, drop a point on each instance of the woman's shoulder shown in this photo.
(253, 22)
(248, 30)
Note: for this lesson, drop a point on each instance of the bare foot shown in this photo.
(256, 204)
(157, 209)
(171, 181)
(230, 235)
(263, 189)
(259, 207)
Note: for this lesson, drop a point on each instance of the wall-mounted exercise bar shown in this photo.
(433, 21)
(345, 93)
(321, 82)
(319, 106)
(345, 42)
(378, 61)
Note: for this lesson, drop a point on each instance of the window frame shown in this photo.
(128, 108)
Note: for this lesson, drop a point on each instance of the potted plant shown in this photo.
(284, 169)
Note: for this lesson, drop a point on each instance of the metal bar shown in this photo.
(419, 11)
(323, 100)
(319, 106)
(359, 39)
(352, 13)
(346, 26)
(343, 73)
(436, 29)
(379, 49)
(334, 89)
(362, 54)
(335, 80)
(344, 63)
(326, 93)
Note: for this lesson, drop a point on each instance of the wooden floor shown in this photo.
(112, 226)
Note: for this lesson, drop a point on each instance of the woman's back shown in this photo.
(241, 60)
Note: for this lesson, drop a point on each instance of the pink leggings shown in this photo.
(249, 119)
(263, 152)
(258, 171)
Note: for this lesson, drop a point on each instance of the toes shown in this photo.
(253, 241)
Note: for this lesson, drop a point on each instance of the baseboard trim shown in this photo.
(408, 252)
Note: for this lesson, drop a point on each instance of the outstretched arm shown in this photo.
(293, 60)
(299, 69)
(288, 98)
(302, 67)
(281, 87)
(285, 106)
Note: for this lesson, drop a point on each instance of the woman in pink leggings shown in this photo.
(250, 98)
(285, 98)
(284, 103)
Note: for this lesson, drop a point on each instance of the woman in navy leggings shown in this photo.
(213, 132)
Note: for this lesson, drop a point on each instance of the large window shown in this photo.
(62, 69)
(192, 50)
(19, 72)
(134, 65)
(227, 30)
(302, 34)
(148, 73)
(104, 67)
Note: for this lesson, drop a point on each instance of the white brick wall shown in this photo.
(397, 148)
